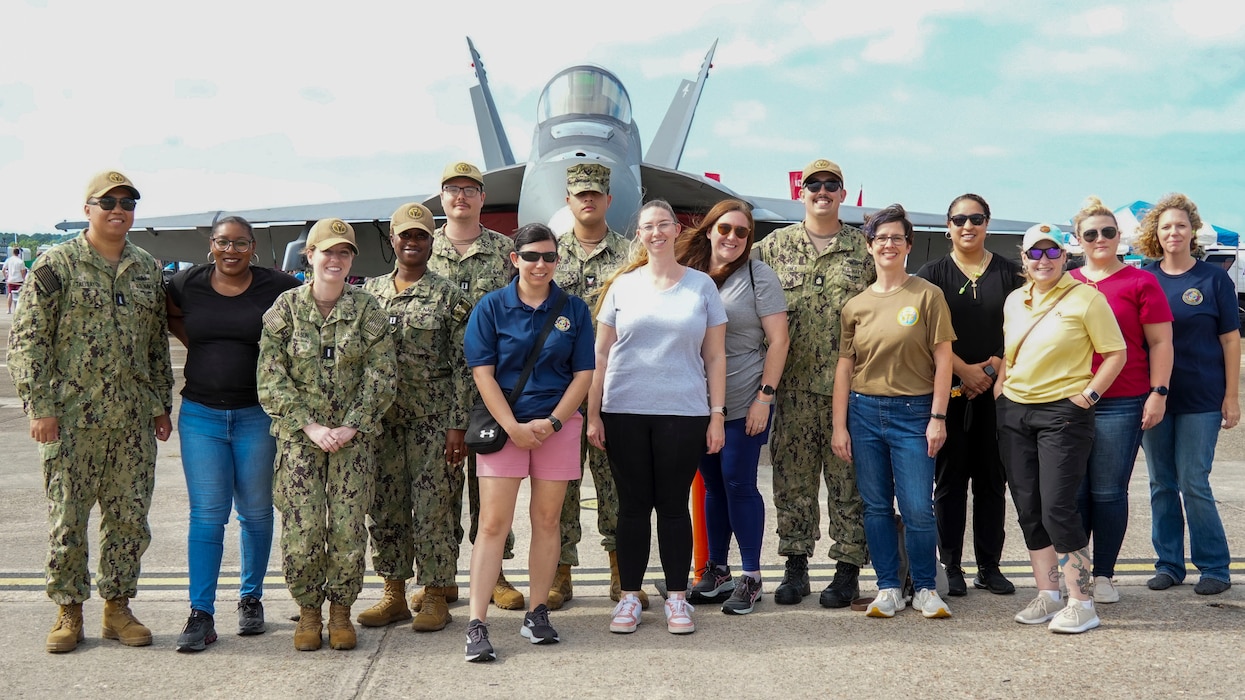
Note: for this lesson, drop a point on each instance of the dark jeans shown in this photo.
(971, 453)
(1103, 497)
(654, 459)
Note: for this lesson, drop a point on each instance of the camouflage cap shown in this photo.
(821, 165)
(462, 169)
(588, 177)
(412, 215)
(106, 180)
(330, 232)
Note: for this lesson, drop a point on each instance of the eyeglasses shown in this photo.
(468, 191)
(110, 203)
(961, 219)
(1108, 232)
(815, 186)
(1037, 253)
(532, 256)
(223, 244)
(416, 234)
(664, 227)
(741, 232)
(890, 240)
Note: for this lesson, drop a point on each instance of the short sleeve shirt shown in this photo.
(1136, 300)
(892, 335)
(751, 293)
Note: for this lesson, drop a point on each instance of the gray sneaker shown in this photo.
(743, 599)
(1041, 609)
(536, 627)
(715, 583)
(1074, 619)
(478, 646)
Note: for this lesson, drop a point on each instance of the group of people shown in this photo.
(681, 352)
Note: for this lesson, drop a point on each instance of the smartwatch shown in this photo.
(989, 370)
(718, 409)
(557, 424)
(766, 389)
(1160, 390)
(1091, 396)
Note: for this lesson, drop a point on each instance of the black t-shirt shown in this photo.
(224, 334)
(976, 317)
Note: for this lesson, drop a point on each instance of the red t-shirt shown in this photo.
(1136, 299)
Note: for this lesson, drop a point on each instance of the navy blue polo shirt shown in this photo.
(501, 331)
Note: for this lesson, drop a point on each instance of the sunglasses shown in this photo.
(741, 232)
(532, 256)
(110, 203)
(1037, 253)
(224, 244)
(816, 186)
(416, 234)
(1108, 232)
(961, 219)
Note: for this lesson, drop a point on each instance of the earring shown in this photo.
(211, 258)
(947, 235)
(254, 258)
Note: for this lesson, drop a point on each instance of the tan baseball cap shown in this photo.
(412, 215)
(821, 165)
(462, 169)
(588, 177)
(106, 180)
(329, 232)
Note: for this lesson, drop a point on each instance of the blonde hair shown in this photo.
(1093, 206)
(639, 254)
(1148, 241)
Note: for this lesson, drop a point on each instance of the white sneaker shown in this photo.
(930, 604)
(626, 615)
(1041, 609)
(888, 602)
(679, 616)
(1074, 619)
(1105, 590)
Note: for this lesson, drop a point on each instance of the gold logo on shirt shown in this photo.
(908, 316)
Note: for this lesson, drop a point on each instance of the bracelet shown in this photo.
(938, 416)
(763, 403)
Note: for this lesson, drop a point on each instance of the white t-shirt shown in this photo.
(14, 270)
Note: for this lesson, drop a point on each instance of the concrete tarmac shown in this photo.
(1150, 644)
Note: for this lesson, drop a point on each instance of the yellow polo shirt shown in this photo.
(1054, 361)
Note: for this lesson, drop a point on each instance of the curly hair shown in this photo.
(694, 249)
(1093, 206)
(1148, 240)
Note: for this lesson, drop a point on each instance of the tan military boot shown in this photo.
(562, 590)
(435, 613)
(616, 584)
(68, 630)
(417, 598)
(505, 596)
(341, 629)
(307, 635)
(391, 608)
(121, 625)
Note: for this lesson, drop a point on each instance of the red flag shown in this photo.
(796, 178)
(714, 176)
(860, 198)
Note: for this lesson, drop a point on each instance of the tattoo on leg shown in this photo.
(1053, 575)
(1081, 564)
(1063, 560)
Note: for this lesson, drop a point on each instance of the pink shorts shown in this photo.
(557, 458)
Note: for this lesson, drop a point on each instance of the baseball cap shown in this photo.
(821, 165)
(329, 232)
(462, 169)
(106, 180)
(412, 215)
(1043, 232)
(588, 177)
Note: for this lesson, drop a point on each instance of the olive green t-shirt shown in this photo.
(892, 337)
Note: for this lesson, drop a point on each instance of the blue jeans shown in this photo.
(1103, 496)
(227, 456)
(892, 461)
(1179, 453)
(733, 504)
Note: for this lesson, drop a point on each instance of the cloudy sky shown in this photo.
(240, 104)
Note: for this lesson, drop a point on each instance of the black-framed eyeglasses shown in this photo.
(532, 256)
(110, 203)
(223, 244)
(1037, 253)
(816, 186)
(468, 191)
(417, 234)
(889, 240)
(961, 219)
(1108, 232)
(740, 232)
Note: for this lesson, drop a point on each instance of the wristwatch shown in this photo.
(1160, 390)
(557, 424)
(766, 389)
(1091, 396)
(718, 409)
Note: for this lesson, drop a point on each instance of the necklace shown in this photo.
(972, 276)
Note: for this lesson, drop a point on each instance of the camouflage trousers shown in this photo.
(323, 499)
(473, 505)
(801, 455)
(117, 469)
(607, 503)
(413, 517)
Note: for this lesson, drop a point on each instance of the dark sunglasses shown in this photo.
(110, 203)
(1108, 232)
(815, 186)
(961, 219)
(417, 234)
(1037, 253)
(532, 256)
(741, 232)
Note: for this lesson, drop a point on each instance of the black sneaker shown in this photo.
(794, 585)
(536, 627)
(478, 646)
(844, 588)
(747, 592)
(989, 578)
(200, 631)
(956, 586)
(715, 583)
(250, 616)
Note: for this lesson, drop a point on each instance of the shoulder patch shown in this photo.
(47, 280)
(376, 324)
(461, 311)
(274, 320)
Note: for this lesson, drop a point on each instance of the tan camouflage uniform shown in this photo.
(333, 371)
(817, 286)
(583, 274)
(89, 346)
(413, 516)
(484, 267)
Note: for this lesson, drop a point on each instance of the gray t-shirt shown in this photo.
(745, 304)
(655, 367)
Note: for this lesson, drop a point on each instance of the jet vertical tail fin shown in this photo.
(493, 139)
(666, 149)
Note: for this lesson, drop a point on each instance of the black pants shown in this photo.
(971, 453)
(654, 459)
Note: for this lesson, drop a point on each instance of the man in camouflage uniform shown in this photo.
(821, 263)
(587, 256)
(476, 260)
(322, 372)
(89, 353)
(419, 455)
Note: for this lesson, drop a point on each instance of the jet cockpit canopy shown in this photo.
(584, 90)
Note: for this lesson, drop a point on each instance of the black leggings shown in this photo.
(654, 459)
